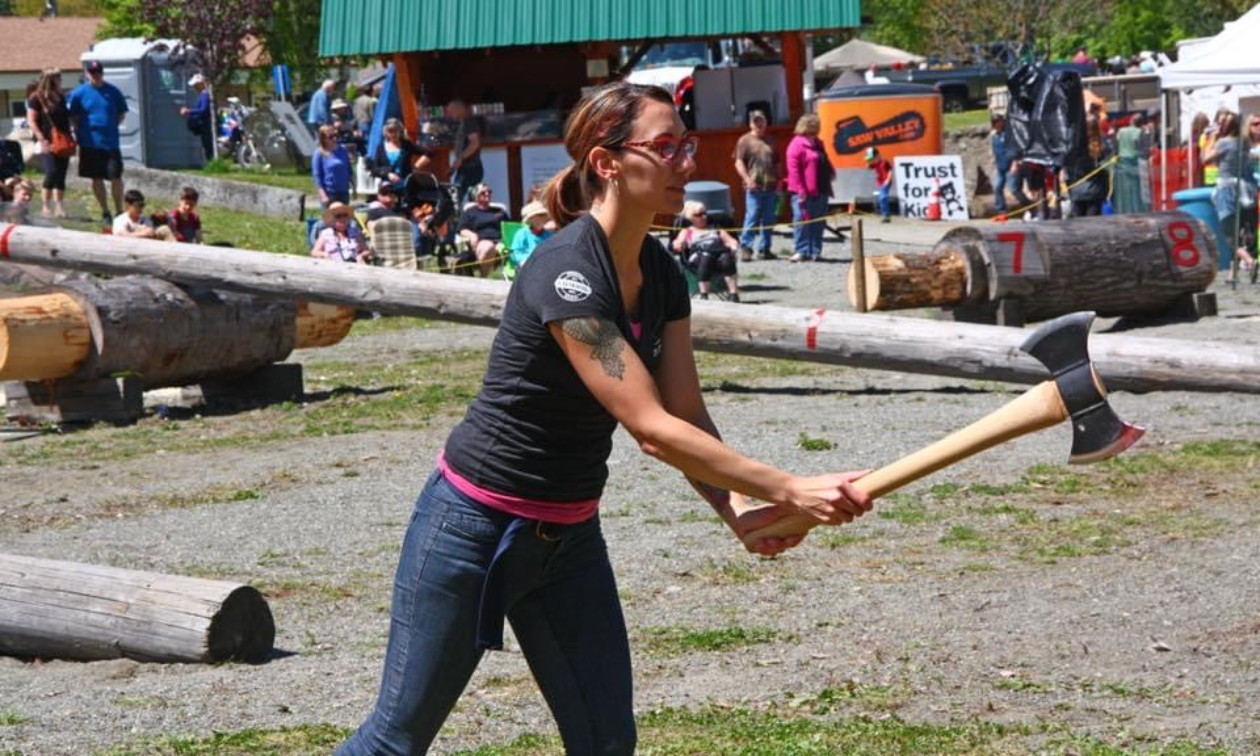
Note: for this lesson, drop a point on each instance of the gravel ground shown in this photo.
(1024, 642)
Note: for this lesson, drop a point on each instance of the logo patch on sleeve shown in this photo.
(572, 286)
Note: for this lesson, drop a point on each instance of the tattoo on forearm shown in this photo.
(718, 497)
(604, 339)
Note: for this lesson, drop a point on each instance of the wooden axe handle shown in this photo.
(1039, 407)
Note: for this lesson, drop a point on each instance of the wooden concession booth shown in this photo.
(524, 64)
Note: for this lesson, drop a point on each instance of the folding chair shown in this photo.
(511, 263)
(392, 243)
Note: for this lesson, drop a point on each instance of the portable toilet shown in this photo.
(898, 119)
(154, 80)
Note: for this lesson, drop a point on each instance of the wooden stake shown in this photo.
(857, 271)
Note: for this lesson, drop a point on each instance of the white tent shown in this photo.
(1223, 71)
(858, 53)
(1229, 58)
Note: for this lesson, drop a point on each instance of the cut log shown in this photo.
(879, 342)
(1114, 266)
(322, 325)
(68, 610)
(903, 281)
(43, 336)
(168, 336)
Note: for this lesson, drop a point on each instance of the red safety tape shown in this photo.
(811, 329)
(4, 240)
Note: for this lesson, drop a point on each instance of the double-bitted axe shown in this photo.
(1075, 391)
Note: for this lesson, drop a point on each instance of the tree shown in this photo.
(122, 19)
(291, 36)
(214, 28)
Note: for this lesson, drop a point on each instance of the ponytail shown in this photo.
(568, 194)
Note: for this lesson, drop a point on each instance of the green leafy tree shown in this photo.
(214, 28)
(291, 36)
(122, 19)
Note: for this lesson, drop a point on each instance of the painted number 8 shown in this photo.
(1184, 253)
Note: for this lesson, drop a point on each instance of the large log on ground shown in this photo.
(878, 342)
(67, 610)
(154, 329)
(1115, 265)
(904, 281)
(42, 336)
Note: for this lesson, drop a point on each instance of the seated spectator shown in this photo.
(707, 250)
(480, 226)
(131, 221)
(161, 223)
(385, 205)
(341, 239)
(536, 195)
(18, 210)
(184, 219)
(535, 232)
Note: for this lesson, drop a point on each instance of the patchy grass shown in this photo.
(966, 119)
(12, 719)
(728, 371)
(680, 641)
(342, 397)
(728, 572)
(733, 731)
(808, 443)
(261, 233)
(303, 740)
(285, 178)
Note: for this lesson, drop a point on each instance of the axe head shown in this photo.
(1062, 345)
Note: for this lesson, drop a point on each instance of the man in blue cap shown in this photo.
(97, 109)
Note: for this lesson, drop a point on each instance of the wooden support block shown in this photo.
(271, 384)
(1010, 312)
(1204, 304)
(115, 400)
(67, 610)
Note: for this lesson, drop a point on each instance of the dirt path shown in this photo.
(1117, 601)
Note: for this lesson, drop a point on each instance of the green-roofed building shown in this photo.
(527, 61)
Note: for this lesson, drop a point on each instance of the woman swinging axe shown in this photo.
(595, 332)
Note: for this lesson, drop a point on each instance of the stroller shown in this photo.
(431, 206)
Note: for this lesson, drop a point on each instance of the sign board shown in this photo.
(918, 177)
(539, 162)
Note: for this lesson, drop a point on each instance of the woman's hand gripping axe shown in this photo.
(1075, 391)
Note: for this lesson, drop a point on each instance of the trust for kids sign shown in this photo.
(918, 177)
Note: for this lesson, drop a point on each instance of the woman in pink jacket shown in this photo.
(809, 175)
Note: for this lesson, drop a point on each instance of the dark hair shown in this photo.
(133, 197)
(189, 194)
(602, 118)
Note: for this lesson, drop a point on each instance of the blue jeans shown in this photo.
(807, 237)
(759, 210)
(559, 594)
(882, 199)
(999, 188)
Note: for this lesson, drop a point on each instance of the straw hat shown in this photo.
(334, 209)
(532, 209)
(339, 103)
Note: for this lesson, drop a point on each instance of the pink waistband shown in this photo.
(566, 513)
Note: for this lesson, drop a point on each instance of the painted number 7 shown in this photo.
(1017, 259)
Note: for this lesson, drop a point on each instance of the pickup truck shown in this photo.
(965, 87)
(961, 87)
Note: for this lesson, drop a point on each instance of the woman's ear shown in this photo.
(605, 163)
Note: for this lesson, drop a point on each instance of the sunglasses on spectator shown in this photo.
(669, 147)
(699, 213)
